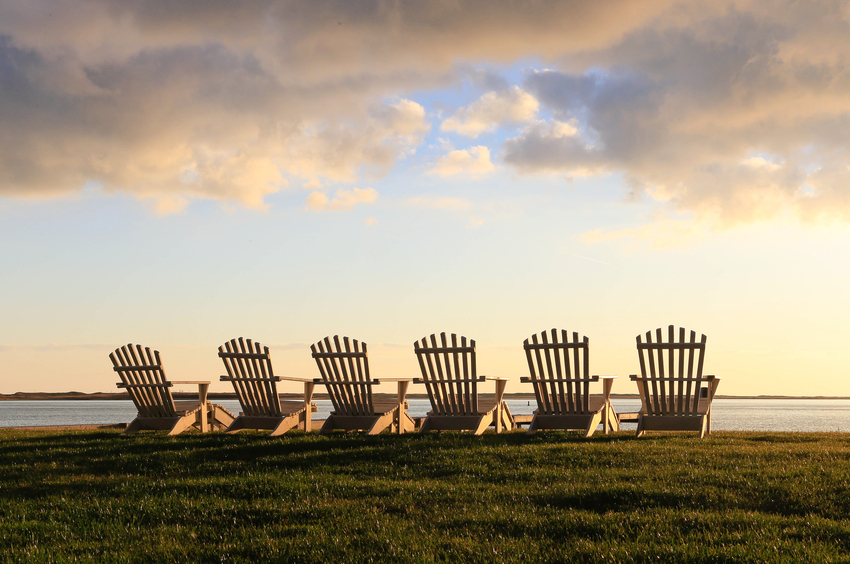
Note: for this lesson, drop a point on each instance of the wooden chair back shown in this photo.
(560, 373)
(671, 372)
(249, 368)
(449, 374)
(344, 367)
(144, 379)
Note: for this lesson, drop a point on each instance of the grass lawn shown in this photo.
(555, 497)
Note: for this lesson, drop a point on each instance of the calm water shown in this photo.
(728, 414)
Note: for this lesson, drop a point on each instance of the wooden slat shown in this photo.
(132, 368)
(249, 369)
(703, 379)
(567, 345)
(677, 346)
(447, 403)
(246, 355)
(344, 369)
(449, 373)
(427, 373)
(671, 371)
(339, 355)
(435, 348)
(559, 371)
(240, 379)
(142, 376)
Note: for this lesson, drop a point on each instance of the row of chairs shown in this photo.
(675, 395)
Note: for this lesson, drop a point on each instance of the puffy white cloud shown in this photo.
(345, 199)
(474, 161)
(509, 106)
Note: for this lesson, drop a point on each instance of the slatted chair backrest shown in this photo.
(560, 372)
(671, 372)
(345, 372)
(141, 373)
(249, 368)
(449, 374)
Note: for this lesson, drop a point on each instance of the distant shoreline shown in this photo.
(84, 396)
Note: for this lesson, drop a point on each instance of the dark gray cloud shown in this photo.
(738, 115)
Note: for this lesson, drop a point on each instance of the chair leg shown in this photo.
(704, 430)
(507, 418)
(133, 427)
(328, 427)
(532, 427)
(594, 423)
(285, 425)
(483, 423)
(219, 418)
(183, 423)
(613, 420)
(426, 426)
(408, 424)
(381, 423)
(237, 425)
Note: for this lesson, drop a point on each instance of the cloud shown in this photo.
(440, 203)
(231, 100)
(344, 200)
(170, 205)
(235, 101)
(509, 106)
(474, 161)
(729, 114)
(662, 232)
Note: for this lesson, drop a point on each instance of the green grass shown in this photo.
(555, 497)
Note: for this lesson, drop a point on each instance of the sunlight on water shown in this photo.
(728, 414)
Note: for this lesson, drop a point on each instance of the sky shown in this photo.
(178, 174)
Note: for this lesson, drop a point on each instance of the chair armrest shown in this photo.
(344, 383)
(162, 385)
(243, 379)
(445, 381)
(379, 380)
(294, 379)
(563, 380)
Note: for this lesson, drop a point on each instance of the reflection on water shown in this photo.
(728, 414)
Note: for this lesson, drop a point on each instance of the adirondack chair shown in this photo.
(144, 379)
(450, 376)
(673, 397)
(345, 373)
(249, 369)
(560, 374)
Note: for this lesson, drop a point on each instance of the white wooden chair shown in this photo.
(450, 376)
(344, 367)
(674, 393)
(142, 375)
(560, 374)
(249, 369)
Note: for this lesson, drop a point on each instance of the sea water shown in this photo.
(727, 414)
